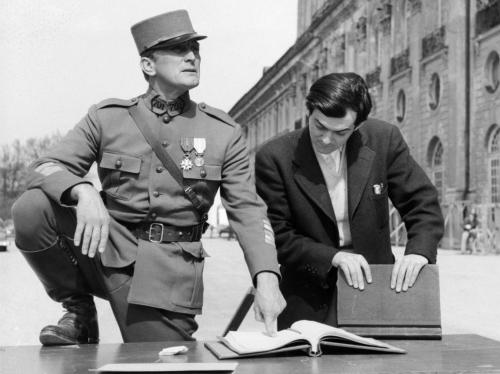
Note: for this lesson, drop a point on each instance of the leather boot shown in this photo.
(58, 270)
(77, 326)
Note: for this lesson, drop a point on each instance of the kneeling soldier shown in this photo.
(161, 159)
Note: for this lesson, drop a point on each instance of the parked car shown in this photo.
(226, 230)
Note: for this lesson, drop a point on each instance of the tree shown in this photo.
(15, 159)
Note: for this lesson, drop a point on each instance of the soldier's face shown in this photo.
(330, 133)
(178, 66)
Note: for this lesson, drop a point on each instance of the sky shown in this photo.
(61, 56)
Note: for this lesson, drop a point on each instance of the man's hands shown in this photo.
(406, 270)
(353, 266)
(269, 301)
(92, 219)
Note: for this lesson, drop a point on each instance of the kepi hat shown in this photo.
(164, 30)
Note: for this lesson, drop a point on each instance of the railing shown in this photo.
(487, 16)
(400, 62)
(488, 231)
(373, 77)
(397, 228)
(433, 42)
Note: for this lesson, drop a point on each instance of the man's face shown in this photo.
(330, 133)
(178, 67)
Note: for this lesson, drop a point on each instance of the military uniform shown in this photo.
(151, 270)
(137, 189)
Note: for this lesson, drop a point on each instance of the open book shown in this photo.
(309, 335)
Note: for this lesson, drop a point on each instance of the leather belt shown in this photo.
(157, 232)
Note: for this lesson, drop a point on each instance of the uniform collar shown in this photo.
(160, 106)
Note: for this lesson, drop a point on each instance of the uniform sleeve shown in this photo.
(245, 210)
(415, 198)
(295, 251)
(72, 158)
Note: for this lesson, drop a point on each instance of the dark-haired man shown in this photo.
(327, 188)
(146, 229)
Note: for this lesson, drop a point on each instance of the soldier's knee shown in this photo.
(29, 212)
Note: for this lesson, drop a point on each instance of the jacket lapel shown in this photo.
(359, 162)
(309, 177)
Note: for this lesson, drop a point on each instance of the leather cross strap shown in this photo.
(167, 161)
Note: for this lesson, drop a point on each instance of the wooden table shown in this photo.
(455, 353)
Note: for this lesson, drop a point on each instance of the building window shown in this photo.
(437, 169)
(492, 72)
(298, 124)
(401, 106)
(402, 16)
(434, 91)
(494, 153)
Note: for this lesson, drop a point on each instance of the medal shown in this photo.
(199, 161)
(186, 164)
(199, 144)
(187, 148)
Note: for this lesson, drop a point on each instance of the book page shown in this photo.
(251, 342)
(315, 331)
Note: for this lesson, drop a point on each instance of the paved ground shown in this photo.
(470, 296)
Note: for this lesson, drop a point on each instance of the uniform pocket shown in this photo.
(169, 276)
(206, 172)
(188, 287)
(204, 181)
(119, 172)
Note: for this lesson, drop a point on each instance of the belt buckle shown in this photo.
(151, 234)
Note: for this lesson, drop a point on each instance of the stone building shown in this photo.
(433, 70)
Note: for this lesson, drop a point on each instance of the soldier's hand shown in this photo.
(353, 266)
(92, 220)
(406, 270)
(269, 301)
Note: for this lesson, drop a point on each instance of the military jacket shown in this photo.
(137, 188)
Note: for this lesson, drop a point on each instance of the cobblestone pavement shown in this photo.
(470, 297)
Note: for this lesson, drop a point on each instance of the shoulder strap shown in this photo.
(166, 160)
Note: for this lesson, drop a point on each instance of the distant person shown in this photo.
(469, 233)
(138, 243)
(327, 188)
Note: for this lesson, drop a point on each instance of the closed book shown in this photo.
(381, 312)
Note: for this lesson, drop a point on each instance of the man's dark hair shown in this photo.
(334, 93)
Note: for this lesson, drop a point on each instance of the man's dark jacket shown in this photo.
(290, 181)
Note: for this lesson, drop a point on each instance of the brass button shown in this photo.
(156, 194)
(118, 163)
(153, 215)
(164, 143)
(159, 169)
(166, 119)
(203, 106)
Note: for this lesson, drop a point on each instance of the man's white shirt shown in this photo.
(334, 168)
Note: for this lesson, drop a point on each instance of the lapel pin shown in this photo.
(377, 188)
